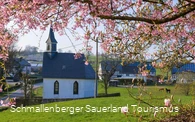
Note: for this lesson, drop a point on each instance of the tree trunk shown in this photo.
(106, 88)
(1, 77)
(25, 89)
(1, 73)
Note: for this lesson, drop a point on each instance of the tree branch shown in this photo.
(148, 20)
(155, 1)
(190, 1)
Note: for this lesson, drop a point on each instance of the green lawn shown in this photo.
(94, 116)
(38, 92)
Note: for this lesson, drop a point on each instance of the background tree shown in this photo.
(60, 50)
(108, 66)
(29, 50)
(10, 63)
(27, 87)
(7, 53)
(185, 83)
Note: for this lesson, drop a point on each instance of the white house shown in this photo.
(127, 72)
(185, 73)
(64, 76)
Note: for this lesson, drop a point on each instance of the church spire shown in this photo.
(51, 44)
(51, 41)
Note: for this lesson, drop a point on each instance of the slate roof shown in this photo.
(150, 67)
(64, 65)
(107, 65)
(186, 67)
(51, 38)
(131, 68)
(22, 62)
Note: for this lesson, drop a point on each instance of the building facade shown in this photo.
(185, 73)
(64, 76)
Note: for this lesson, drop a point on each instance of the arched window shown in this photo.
(75, 87)
(48, 47)
(56, 87)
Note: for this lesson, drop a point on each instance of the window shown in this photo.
(75, 87)
(56, 87)
(48, 47)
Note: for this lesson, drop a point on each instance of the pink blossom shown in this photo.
(161, 64)
(160, 80)
(8, 102)
(1, 102)
(153, 64)
(192, 51)
(124, 110)
(139, 2)
(167, 102)
(139, 26)
(175, 9)
(89, 48)
(144, 73)
(77, 55)
(86, 62)
(1, 90)
(155, 114)
(87, 36)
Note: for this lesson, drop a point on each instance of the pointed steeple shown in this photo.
(51, 38)
(51, 44)
(51, 41)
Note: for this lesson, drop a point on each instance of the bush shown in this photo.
(3, 108)
(187, 88)
(38, 81)
(186, 114)
(109, 95)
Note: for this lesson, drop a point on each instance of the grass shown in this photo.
(38, 92)
(92, 116)
(160, 72)
(92, 60)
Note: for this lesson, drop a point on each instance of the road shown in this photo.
(20, 93)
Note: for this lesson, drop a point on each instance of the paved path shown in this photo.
(20, 93)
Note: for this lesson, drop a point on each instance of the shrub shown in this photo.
(186, 114)
(187, 88)
(3, 108)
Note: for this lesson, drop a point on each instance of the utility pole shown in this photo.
(96, 73)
